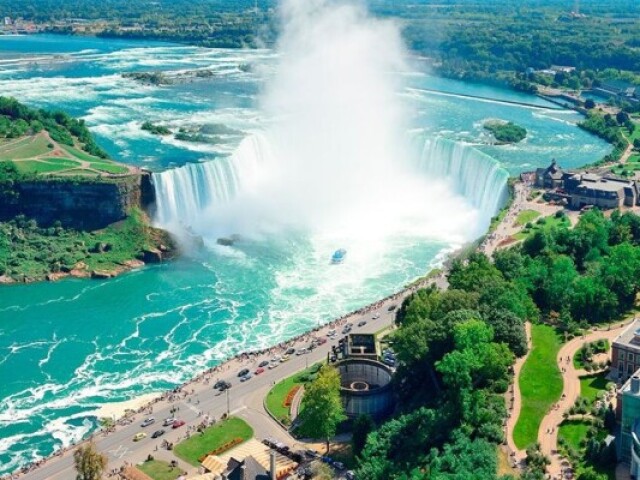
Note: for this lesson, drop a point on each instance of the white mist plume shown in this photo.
(334, 158)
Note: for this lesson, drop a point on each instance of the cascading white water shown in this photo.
(184, 193)
(475, 175)
(334, 159)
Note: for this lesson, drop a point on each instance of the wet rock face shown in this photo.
(89, 205)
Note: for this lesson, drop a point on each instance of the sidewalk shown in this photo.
(571, 391)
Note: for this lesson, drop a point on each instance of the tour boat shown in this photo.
(338, 256)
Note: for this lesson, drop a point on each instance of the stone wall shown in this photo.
(87, 205)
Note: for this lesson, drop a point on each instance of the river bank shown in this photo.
(124, 413)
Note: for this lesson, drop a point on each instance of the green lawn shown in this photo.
(277, 395)
(34, 166)
(26, 148)
(547, 224)
(540, 384)
(65, 162)
(526, 216)
(574, 432)
(109, 167)
(591, 385)
(74, 152)
(213, 437)
(159, 470)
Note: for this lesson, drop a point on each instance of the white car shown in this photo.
(302, 351)
(273, 365)
(148, 421)
(168, 421)
(376, 316)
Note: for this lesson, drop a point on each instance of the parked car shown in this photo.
(148, 421)
(178, 423)
(157, 433)
(263, 364)
(311, 453)
(139, 436)
(168, 421)
(374, 317)
(246, 377)
(338, 465)
(349, 475)
(243, 372)
(224, 386)
(259, 371)
(322, 341)
(392, 307)
(290, 351)
(273, 365)
(362, 323)
(285, 358)
(302, 351)
(218, 384)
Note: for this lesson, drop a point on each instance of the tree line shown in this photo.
(456, 347)
(16, 120)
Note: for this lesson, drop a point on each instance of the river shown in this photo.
(66, 348)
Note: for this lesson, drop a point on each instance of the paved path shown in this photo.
(508, 227)
(571, 391)
(515, 454)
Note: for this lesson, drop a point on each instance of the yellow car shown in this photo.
(139, 436)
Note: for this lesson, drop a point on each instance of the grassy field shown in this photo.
(276, 396)
(573, 432)
(27, 147)
(591, 385)
(40, 155)
(526, 216)
(159, 470)
(544, 223)
(213, 437)
(540, 384)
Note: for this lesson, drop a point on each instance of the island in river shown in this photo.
(66, 209)
(505, 132)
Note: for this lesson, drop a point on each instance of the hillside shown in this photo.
(51, 143)
(66, 209)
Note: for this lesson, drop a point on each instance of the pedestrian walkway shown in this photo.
(548, 432)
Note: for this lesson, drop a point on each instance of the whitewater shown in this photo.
(78, 345)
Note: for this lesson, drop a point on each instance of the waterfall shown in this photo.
(475, 175)
(183, 193)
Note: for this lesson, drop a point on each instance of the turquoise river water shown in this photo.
(66, 348)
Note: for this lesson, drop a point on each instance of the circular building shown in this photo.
(365, 387)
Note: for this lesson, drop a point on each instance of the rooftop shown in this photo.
(630, 338)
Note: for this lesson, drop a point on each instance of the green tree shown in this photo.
(590, 474)
(362, 426)
(89, 463)
(322, 406)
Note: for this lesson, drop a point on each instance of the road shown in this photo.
(244, 400)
